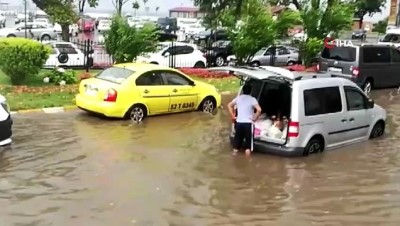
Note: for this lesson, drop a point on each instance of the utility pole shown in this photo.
(25, 6)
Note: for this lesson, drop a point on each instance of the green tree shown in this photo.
(367, 7)
(118, 4)
(82, 3)
(61, 12)
(288, 19)
(125, 44)
(135, 6)
(255, 30)
(380, 27)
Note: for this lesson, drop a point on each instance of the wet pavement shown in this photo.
(76, 169)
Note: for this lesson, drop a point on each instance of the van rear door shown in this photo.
(339, 61)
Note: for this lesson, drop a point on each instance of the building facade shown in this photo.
(186, 12)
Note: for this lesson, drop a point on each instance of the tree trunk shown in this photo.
(360, 22)
(65, 32)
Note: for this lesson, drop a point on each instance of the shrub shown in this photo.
(204, 73)
(126, 43)
(85, 75)
(21, 57)
(59, 76)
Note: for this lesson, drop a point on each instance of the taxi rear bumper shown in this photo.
(108, 109)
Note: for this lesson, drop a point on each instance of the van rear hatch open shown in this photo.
(339, 61)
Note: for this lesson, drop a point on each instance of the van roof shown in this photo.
(393, 31)
(259, 73)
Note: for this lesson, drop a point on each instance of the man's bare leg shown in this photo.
(235, 151)
(248, 152)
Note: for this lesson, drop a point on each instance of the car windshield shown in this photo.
(260, 52)
(115, 74)
(105, 22)
(394, 38)
(220, 43)
(340, 53)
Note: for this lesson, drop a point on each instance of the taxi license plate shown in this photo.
(334, 69)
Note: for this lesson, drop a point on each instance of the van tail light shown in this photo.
(317, 67)
(111, 95)
(354, 71)
(293, 129)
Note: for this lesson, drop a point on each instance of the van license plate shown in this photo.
(334, 69)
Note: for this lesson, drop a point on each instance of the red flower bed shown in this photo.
(299, 67)
(204, 73)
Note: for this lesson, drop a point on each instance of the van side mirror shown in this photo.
(370, 103)
(192, 83)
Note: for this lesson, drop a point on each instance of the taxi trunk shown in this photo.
(99, 90)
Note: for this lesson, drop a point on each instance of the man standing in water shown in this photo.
(245, 105)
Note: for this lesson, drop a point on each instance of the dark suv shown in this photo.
(218, 52)
(369, 66)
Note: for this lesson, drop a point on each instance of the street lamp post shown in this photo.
(25, 4)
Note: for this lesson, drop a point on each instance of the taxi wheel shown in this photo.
(136, 113)
(208, 105)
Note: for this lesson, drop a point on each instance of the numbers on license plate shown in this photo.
(333, 69)
(182, 106)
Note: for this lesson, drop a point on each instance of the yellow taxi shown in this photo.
(136, 90)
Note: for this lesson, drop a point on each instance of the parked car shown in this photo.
(34, 30)
(208, 36)
(73, 29)
(42, 21)
(218, 53)
(168, 24)
(283, 55)
(2, 19)
(369, 66)
(193, 30)
(359, 34)
(75, 57)
(392, 37)
(135, 91)
(180, 53)
(97, 22)
(21, 18)
(6, 122)
(318, 112)
(104, 25)
(86, 24)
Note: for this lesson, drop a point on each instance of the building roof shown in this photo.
(184, 9)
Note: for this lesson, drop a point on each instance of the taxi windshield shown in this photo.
(115, 74)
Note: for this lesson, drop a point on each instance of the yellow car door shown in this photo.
(153, 91)
(183, 94)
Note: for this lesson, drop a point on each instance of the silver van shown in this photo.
(369, 66)
(5, 122)
(322, 112)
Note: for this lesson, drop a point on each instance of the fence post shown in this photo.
(273, 55)
(87, 51)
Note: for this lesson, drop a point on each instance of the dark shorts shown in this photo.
(243, 136)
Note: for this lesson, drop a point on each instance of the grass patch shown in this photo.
(23, 101)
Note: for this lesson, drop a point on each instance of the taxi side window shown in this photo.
(149, 79)
(175, 79)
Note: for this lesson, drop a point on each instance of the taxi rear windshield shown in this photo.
(115, 74)
(340, 53)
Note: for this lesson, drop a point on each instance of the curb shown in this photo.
(51, 110)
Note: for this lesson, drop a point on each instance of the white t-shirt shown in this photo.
(245, 108)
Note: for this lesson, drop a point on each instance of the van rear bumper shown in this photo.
(281, 150)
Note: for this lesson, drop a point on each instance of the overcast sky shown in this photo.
(165, 5)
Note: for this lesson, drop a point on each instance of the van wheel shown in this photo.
(11, 36)
(367, 87)
(378, 130)
(136, 113)
(315, 145)
(208, 105)
(290, 63)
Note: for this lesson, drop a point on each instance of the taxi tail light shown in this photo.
(293, 129)
(111, 95)
(354, 71)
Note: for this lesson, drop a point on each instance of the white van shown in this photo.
(391, 37)
(322, 112)
(5, 122)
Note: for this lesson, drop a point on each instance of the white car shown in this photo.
(73, 29)
(43, 21)
(33, 30)
(301, 36)
(179, 54)
(104, 25)
(76, 58)
(305, 114)
(194, 29)
(392, 37)
(5, 122)
(134, 21)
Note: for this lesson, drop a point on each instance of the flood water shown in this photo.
(177, 170)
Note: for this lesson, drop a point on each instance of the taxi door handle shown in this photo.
(174, 90)
(146, 91)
